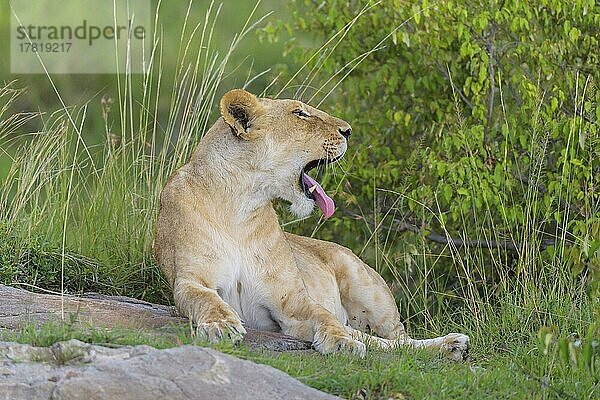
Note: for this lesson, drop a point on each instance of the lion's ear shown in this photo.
(239, 109)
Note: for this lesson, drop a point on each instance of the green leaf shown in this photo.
(441, 169)
(574, 34)
(397, 116)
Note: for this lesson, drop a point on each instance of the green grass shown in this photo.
(95, 204)
(520, 371)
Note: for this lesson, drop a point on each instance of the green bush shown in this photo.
(476, 127)
(78, 215)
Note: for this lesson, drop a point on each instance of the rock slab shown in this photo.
(19, 306)
(75, 370)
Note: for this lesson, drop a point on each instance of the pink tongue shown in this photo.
(324, 202)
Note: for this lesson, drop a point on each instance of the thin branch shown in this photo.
(403, 226)
(456, 88)
(491, 60)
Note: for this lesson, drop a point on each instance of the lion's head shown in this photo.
(284, 140)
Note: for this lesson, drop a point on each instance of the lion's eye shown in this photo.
(301, 113)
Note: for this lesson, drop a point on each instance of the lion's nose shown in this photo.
(345, 131)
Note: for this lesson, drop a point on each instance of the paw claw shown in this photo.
(327, 344)
(214, 332)
(456, 345)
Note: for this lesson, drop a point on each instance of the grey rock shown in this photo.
(20, 306)
(76, 370)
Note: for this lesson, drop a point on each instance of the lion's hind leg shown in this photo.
(365, 296)
(455, 345)
(371, 308)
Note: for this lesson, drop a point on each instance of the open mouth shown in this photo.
(313, 189)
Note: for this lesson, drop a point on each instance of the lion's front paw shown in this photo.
(215, 321)
(456, 345)
(328, 343)
(216, 331)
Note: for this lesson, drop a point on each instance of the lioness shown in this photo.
(229, 262)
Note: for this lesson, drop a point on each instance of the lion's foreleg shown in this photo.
(214, 319)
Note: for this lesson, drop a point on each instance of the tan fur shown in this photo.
(230, 264)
